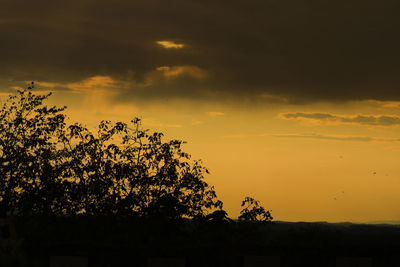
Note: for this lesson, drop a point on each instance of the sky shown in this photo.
(295, 103)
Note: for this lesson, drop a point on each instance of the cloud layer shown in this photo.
(327, 137)
(291, 50)
(379, 120)
(337, 137)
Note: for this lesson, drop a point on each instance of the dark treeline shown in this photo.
(145, 232)
(116, 241)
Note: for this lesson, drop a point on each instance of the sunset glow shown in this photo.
(295, 103)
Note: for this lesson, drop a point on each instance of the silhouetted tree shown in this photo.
(49, 168)
(253, 211)
(141, 175)
(29, 160)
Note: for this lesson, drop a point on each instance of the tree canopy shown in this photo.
(253, 212)
(51, 168)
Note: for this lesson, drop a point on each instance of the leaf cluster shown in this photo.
(253, 211)
(50, 168)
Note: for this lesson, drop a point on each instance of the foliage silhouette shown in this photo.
(218, 216)
(253, 211)
(30, 173)
(51, 169)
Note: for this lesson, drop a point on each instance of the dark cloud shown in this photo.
(297, 50)
(380, 120)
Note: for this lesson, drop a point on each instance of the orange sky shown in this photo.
(304, 169)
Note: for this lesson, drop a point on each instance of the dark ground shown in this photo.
(118, 242)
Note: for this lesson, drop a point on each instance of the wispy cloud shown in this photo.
(240, 136)
(176, 71)
(317, 136)
(96, 97)
(380, 104)
(273, 98)
(215, 113)
(378, 120)
(170, 44)
(331, 137)
(97, 84)
(196, 122)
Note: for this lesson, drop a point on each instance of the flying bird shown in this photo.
(337, 195)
